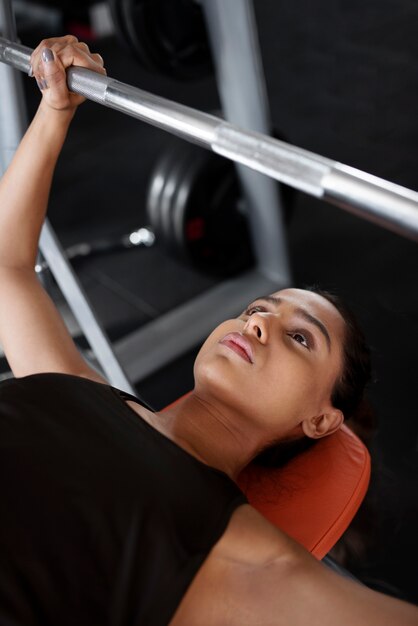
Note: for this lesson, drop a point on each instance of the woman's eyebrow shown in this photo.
(303, 313)
(314, 320)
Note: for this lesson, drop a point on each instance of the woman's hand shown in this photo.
(49, 62)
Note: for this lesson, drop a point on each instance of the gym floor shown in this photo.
(341, 82)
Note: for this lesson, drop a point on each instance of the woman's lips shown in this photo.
(240, 345)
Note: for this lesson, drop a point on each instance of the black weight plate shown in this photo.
(193, 204)
(168, 36)
(192, 163)
(169, 178)
(215, 233)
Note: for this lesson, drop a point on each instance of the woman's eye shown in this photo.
(254, 309)
(299, 338)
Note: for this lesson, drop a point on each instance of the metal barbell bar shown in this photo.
(391, 206)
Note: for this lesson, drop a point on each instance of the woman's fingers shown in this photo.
(79, 55)
(98, 59)
(49, 43)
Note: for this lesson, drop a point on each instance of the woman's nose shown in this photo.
(257, 325)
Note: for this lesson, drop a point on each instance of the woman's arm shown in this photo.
(32, 333)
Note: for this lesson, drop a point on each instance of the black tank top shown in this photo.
(103, 520)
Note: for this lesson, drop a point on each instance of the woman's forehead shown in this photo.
(313, 302)
(294, 294)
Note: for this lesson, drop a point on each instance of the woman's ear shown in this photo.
(324, 424)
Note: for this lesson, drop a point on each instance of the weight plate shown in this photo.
(195, 208)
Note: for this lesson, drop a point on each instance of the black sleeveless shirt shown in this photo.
(103, 520)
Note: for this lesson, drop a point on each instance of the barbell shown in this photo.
(391, 206)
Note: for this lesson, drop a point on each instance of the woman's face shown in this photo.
(277, 363)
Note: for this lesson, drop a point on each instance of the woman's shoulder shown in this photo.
(46, 392)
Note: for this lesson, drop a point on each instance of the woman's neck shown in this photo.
(211, 433)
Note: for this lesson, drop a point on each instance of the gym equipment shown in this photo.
(325, 484)
(375, 199)
(164, 36)
(137, 238)
(195, 208)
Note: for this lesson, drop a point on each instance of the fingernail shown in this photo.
(30, 73)
(44, 84)
(47, 55)
(39, 83)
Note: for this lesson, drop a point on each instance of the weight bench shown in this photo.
(315, 496)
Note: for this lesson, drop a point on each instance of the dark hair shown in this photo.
(348, 392)
(349, 388)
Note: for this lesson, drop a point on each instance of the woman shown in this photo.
(113, 514)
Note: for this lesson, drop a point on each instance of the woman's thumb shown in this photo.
(52, 71)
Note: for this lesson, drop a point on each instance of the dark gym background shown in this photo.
(342, 81)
